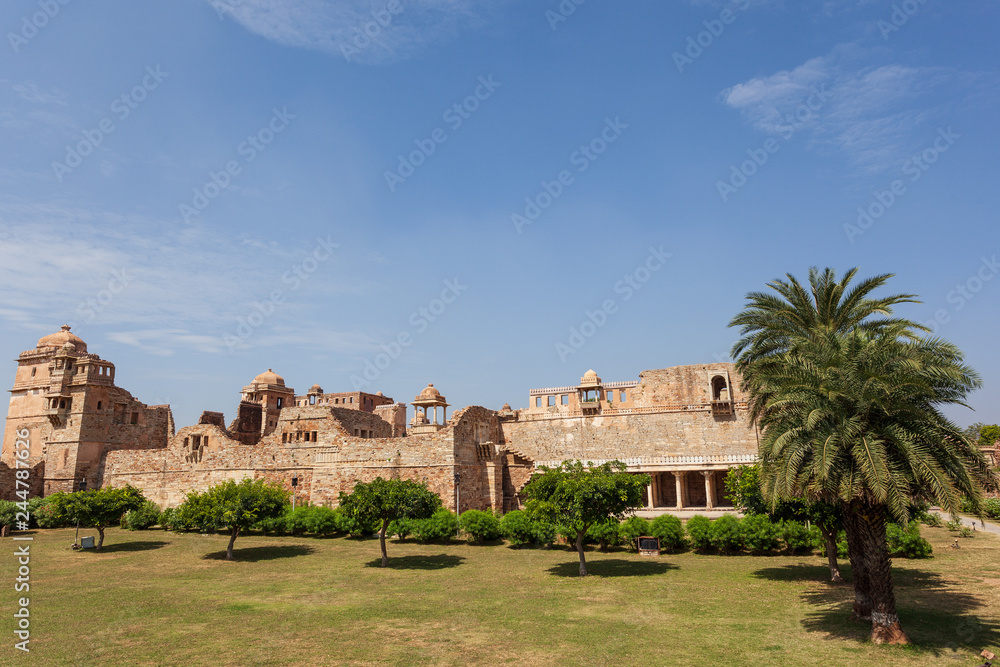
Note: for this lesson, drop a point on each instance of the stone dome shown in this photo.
(62, 338)
(430, 392)
(591, 374)
(315, 389)
(378, 393)
(270, 377)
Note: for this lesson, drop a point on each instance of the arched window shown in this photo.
(720, 391)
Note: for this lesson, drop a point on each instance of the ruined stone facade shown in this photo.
(686, 426)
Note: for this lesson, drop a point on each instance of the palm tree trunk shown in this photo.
(579, 547)
(830, 537)
(870, 526)
(233, 534)
(862, 587)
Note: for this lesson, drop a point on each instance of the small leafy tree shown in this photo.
(699, 530)
(605, 533)
(96, 508)
(578, 497)
(988, 435)
(234, 507)
(142, 518)
(386, 500)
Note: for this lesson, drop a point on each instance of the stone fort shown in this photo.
(684, 426)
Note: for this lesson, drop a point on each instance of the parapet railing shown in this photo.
(611, 412)
(666, 460)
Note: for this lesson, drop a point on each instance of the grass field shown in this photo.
(158, 598)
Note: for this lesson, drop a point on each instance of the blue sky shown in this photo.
(207, 189)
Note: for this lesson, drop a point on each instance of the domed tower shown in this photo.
(428, 398)
(66, 400)
(267, 390)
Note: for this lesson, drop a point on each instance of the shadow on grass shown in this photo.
(935, 614)
(257, 554)
(144, 545)
(613, 567)
(439, 562)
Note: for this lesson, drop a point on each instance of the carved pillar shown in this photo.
(679, 482)
(649, 495)
(709, 490)
(655, 477)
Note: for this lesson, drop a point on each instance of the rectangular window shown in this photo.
(538, 401)
(280, 401)
(621, 396)
(307, 436)
(284, 438)
(552, 401)
(135, 418)
(611, 397)
(565, 399)
(315, 433)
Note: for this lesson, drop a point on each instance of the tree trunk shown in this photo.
(579, 547)
(381, 539)
(870, 527)
(233, 534)
(100, 538)
(830, 537)
(862, 587)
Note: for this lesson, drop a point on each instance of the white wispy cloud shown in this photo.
(153, 284)
(363, 31)
(872, 114)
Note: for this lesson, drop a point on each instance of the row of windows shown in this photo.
(300, 436)
(326, 401)
(564, 399)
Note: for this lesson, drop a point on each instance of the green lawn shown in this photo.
(158, 598)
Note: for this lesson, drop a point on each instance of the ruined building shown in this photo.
(685, 426)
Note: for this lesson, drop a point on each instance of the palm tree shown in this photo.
(848, 400)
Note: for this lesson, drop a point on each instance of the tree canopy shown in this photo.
(96, 508)
(387, 500)
(577, 496)
(235, 506)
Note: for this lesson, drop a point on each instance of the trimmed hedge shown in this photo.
(670, 530)
(480, 526)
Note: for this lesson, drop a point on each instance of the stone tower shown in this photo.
(67, 401)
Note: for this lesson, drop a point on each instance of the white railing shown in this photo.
(646, 461)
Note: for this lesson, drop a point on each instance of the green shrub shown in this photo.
(441, 527)
(991, 508)
(759, 534)
(45, 517)
(543, 532)
(931, 519)
(8, 513)
(954, 523)
(966, 505)
(965, 531)
(699, 530)
(321, 521)
(297, 520)
(726, 534)
(631, 529)
(480, 526)
(185, 518)
(517, 528)
(348, 524)
(33, 506)
(401, 528)
(670, 530)
(907, 543)
(143, 518)
(605, 533)
(797, 537)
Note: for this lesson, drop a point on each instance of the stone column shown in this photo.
(709, 490)
(679, 482)
(649, 495)
(655, 477)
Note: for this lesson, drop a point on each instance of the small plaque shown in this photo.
(649, 546)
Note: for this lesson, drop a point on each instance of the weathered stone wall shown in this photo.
(689, 433)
